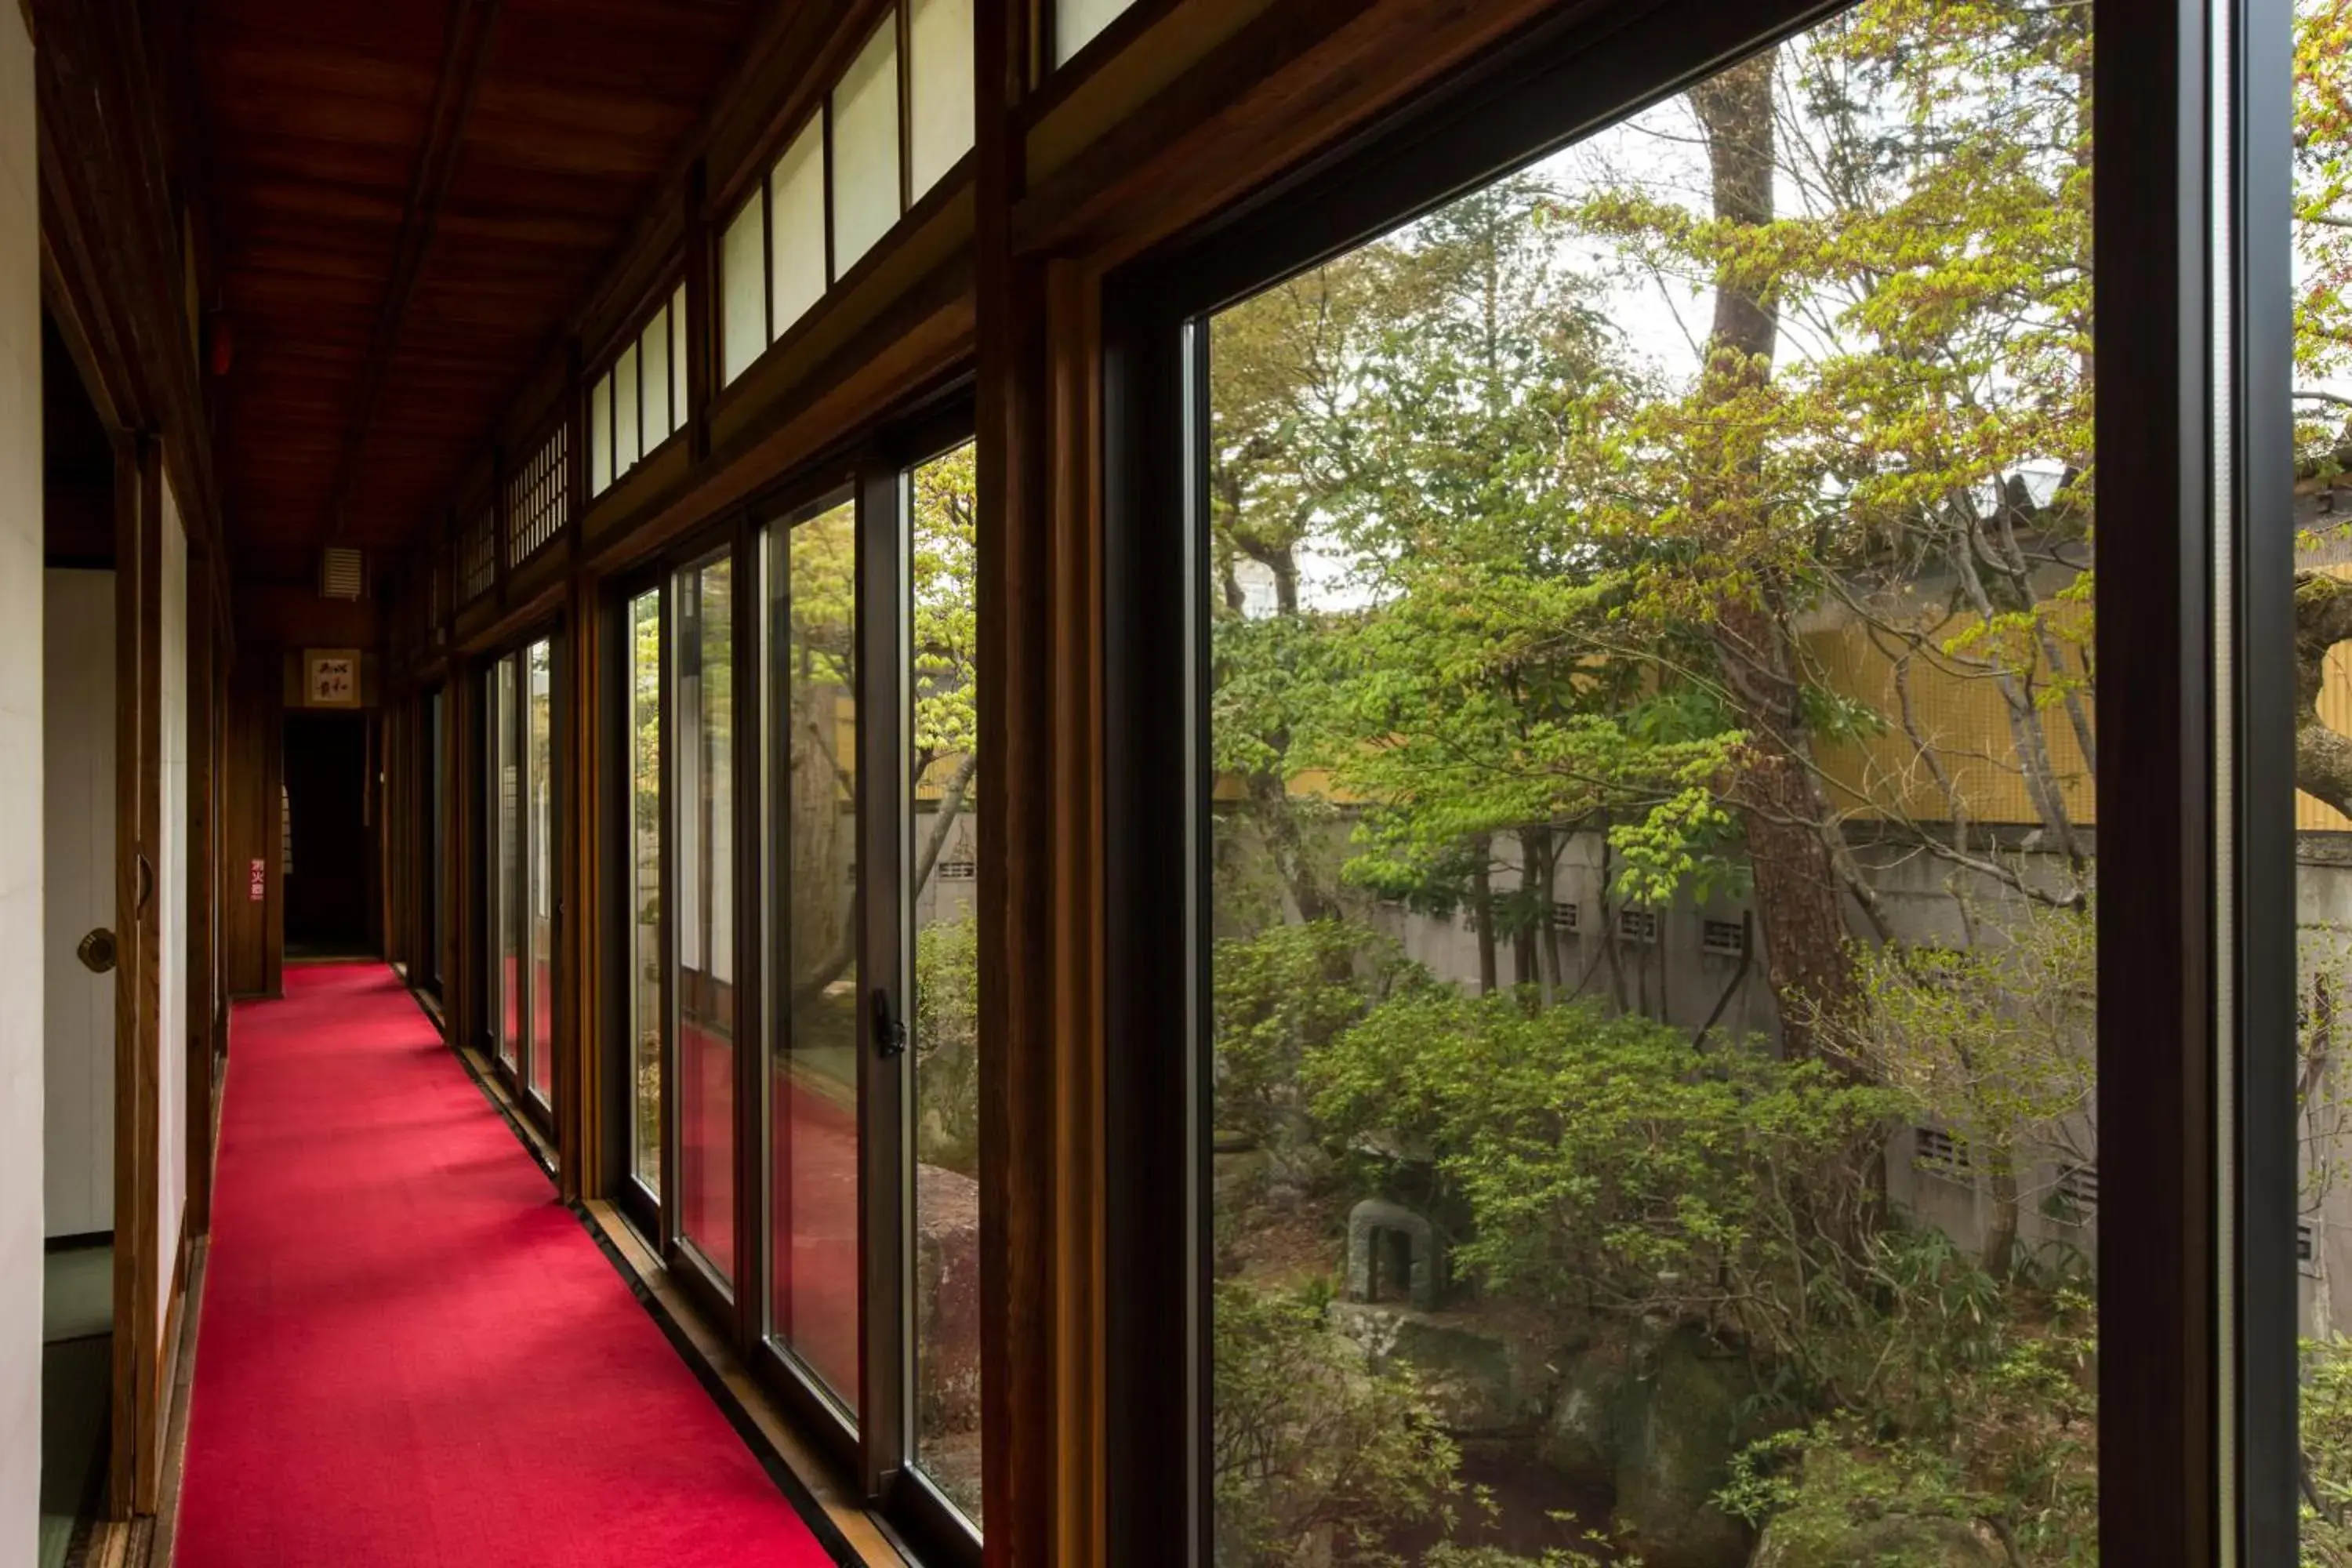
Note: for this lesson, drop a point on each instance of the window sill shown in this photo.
(868, 1543)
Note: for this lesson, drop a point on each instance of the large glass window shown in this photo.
(813, 845)
(704, 824)
(642, 898)
(1649, 1057)
(945, 1048)
(2321, 406)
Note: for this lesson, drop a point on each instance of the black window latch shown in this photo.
(889, 1030)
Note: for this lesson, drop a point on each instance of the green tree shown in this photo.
(1313, 1458)
(1994, 1040)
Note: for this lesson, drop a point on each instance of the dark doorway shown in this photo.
(331, 907)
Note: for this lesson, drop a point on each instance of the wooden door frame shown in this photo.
(134, 1449)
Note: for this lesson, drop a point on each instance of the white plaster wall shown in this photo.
(21, 935)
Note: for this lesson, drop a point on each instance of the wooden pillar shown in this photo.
(1041, 1354)
(135, 1467)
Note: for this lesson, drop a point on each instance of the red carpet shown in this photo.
(410, 1352)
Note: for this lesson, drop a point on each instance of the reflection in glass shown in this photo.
(435, 868)
(644, 894)
(1651, 864)
(2322, 260)
(540, 760)
(945, 1046)
(815, 1295)
(505, 897)
(705, 931)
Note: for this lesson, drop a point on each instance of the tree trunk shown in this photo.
(2000, 1240)
(1482, 910)
(1798, 891)
(1277, 818)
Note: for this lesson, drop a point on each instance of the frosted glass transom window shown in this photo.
(743, 288)
(939, 91)
(678, 359)
(796, 227)
(866, 188)
(1078, 22)
(626, 448)
(600, 436)
(640, 401)
(653, 374)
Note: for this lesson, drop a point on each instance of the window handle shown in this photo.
(889, 1030)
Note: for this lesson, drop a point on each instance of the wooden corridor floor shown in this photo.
(410, 1352)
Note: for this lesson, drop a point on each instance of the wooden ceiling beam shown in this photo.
(453, 95)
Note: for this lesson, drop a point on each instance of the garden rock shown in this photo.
(1678, 1427)
(1482, 1382)
(1582, 1441)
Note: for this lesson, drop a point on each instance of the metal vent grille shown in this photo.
(340, 572)
(1725, 939)
(1637, 925)
(1933, 1148)
(2078, 1193)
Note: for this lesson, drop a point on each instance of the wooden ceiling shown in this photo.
(408, 198)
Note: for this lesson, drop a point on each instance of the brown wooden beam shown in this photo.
(1293, 79)
(454, 93)
(1019, 1379)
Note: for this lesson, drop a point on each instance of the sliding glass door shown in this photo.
(641, 823)
(539, 787)
(523, 815)
(797, 1065)
(436, 827)
(813, 804)
(871, 1136)
(703, 831)
(505, 862)
(941, 914)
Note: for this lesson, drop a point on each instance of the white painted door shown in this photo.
(78, 819)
